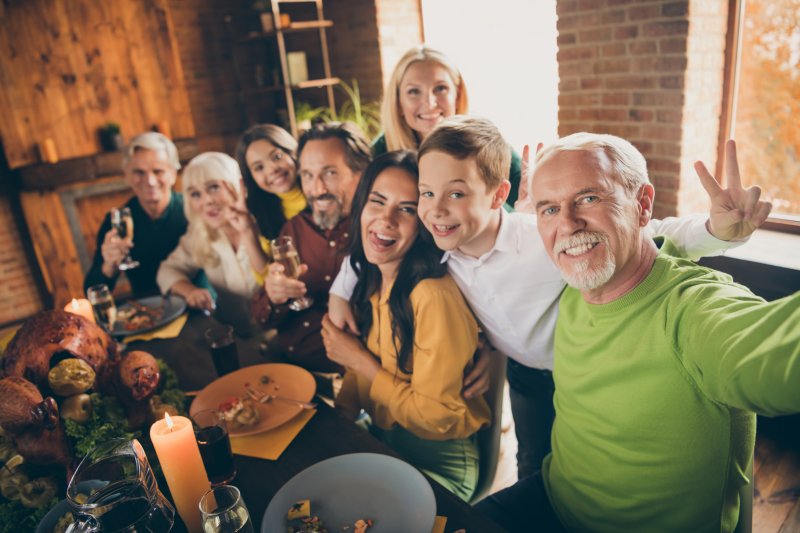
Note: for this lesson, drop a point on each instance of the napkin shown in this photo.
(168, 331)
(270, 444)
(438, 524)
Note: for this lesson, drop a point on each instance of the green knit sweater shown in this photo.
(655, 394)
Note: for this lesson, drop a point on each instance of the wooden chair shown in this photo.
(489, 437)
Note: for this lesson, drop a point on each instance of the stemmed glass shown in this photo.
(224, 511)
(122, 221)
(285, 253)
(105, 310)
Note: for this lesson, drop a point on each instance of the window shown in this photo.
(764, 115)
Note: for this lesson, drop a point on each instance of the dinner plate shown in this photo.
(173, 306)
(51, 518)
(289, 381)
(390, 492)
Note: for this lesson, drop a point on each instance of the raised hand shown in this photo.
(281, 288)
(114, 250)
(348, 350)
(735, 212)
(237, 214)
(524, 203)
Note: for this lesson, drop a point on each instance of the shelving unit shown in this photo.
(327, 82)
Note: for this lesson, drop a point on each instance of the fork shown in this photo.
(263, 397)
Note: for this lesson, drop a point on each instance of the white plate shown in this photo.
(391, 492)
(173, 307)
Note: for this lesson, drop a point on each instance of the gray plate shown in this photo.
(361, 485)
(174, 306)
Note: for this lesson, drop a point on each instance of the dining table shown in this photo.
(327, 434)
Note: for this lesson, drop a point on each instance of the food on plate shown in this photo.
(135, 316)
(239, 412)
(301, 509)
(311, 524)
(362, 525)
(71, 376)
(77, 408)
(302, 521)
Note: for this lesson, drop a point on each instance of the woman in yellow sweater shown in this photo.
(407, 368)
(267, 157)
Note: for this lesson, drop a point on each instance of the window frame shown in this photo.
(730, 92)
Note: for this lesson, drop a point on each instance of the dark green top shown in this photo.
(153, 240)
(379, 147)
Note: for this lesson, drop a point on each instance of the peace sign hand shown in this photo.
(237, 213)
(735, 212)
(524, 203)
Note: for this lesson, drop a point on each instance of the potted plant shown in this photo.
(111, 137)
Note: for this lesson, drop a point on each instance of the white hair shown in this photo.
(157, 142)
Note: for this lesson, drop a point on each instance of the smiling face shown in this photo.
(589, 223)
(272, 169)
(427, 95)
(208, 201)
(151, 177)
(389, 223)
(327, 180)
(455, 204)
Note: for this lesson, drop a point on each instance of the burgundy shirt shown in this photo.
(299, 337)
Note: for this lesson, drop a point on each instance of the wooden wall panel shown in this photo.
(69, 66)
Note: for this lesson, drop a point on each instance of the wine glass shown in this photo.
(285, 253)
(105, 310)
(224, 511)
(122, 221)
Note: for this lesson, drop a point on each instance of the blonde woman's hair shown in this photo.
(203, 168)
(398, 134)
(156, 142)
(627, 162)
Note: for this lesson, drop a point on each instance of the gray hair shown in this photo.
(157, 142)
(628, 163)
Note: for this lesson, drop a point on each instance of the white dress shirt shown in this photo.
(514, 288)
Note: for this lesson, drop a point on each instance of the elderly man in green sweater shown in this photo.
(660, 364)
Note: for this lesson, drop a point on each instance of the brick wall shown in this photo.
(400, 26)
(648, 71)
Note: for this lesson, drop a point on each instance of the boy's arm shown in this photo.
(339, 300)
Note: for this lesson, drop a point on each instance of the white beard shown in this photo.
(584, 277)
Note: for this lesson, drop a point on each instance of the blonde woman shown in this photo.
(425, 88)
(222, 239)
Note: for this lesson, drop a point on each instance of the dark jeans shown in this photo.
(531, 392)
(523, 507)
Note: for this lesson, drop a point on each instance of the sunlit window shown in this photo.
(766, 121)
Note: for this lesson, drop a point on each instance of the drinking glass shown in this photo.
(285, 253)
(223, 349)
(211, 433)
(105, 310)
(224, 511)
(122, 221)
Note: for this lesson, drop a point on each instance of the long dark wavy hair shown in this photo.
(422, 261)
(265, 206)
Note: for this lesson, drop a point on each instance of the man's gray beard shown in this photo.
(327, 220)
(585, 279)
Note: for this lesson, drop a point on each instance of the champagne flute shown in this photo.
(122, 221)
(105, 310)
(224, 511)
(285, 253)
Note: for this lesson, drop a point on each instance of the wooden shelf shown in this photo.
(294, 27)
(310, 84)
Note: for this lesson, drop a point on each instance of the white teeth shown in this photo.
(383, 237)
(581, 249)
(443, 228)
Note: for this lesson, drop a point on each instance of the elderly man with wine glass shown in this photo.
(331, 158)
(150, 166)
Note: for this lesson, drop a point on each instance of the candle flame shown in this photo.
(74, 304)
(168, 420)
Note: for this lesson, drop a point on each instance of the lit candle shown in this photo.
(48, 151)
(80, 307)
(176, 447)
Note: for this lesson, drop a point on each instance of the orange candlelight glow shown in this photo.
(82, 307)
(168, 420)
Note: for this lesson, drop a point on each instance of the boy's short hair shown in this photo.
(463, 136)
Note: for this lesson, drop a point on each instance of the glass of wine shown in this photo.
(122, 221)
(105, 310)
(211, 433)
(224, 511)
(285, 253)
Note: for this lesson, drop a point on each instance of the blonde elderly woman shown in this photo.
(425, 88)
(222, 239)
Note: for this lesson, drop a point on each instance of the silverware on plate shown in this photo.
(263, 397)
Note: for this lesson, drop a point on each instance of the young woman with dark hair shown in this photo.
(407, 368)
